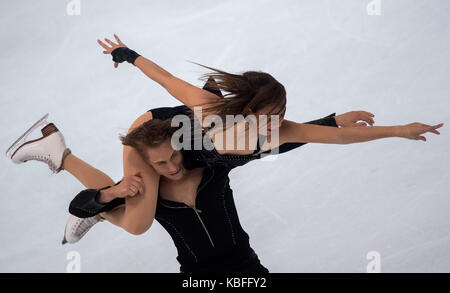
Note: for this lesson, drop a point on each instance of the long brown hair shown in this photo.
(246, 93)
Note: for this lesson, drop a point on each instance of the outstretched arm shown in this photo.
(298, 132)
(183, 91)
(348, 119)
(412, 131)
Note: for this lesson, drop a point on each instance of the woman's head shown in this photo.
(152, 140)
(252, 92)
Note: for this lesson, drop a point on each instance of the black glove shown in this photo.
(86, 204)
(124, 54)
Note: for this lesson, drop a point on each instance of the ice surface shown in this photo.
(320, 208)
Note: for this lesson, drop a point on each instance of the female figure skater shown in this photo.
(243, 86)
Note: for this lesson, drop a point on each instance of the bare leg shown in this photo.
(141, 208)
(92, 178)
(115, 216)
(89, 176)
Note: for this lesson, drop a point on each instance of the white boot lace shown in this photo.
(46, 159)
(84, 224)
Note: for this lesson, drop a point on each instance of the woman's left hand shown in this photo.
(350, 119)
(414, 130)
(114, 46)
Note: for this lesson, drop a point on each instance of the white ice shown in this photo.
(320, 208)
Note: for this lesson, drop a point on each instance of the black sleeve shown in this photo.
(164, 113)
(326, 121)
(85, 203)
(211, 86)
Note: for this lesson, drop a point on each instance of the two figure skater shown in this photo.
(187, 191)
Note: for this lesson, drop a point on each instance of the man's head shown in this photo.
(152, 141)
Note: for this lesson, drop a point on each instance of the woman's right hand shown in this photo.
(129, 186)
(114, 46)
(414, 130)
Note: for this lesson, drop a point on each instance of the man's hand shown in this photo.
(129, 186)
(350, 119)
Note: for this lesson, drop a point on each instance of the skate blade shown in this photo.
(22, 138)
(64, 241)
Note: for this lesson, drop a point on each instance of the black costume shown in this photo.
(208, 236)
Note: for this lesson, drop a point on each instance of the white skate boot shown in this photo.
(76, 228)
(50, 148)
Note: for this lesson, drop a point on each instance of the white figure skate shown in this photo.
(76, 228)
(50, 148)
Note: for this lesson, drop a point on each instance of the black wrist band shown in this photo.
(332, 120)
(85, 204)
(124, 54)
(329, 120)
